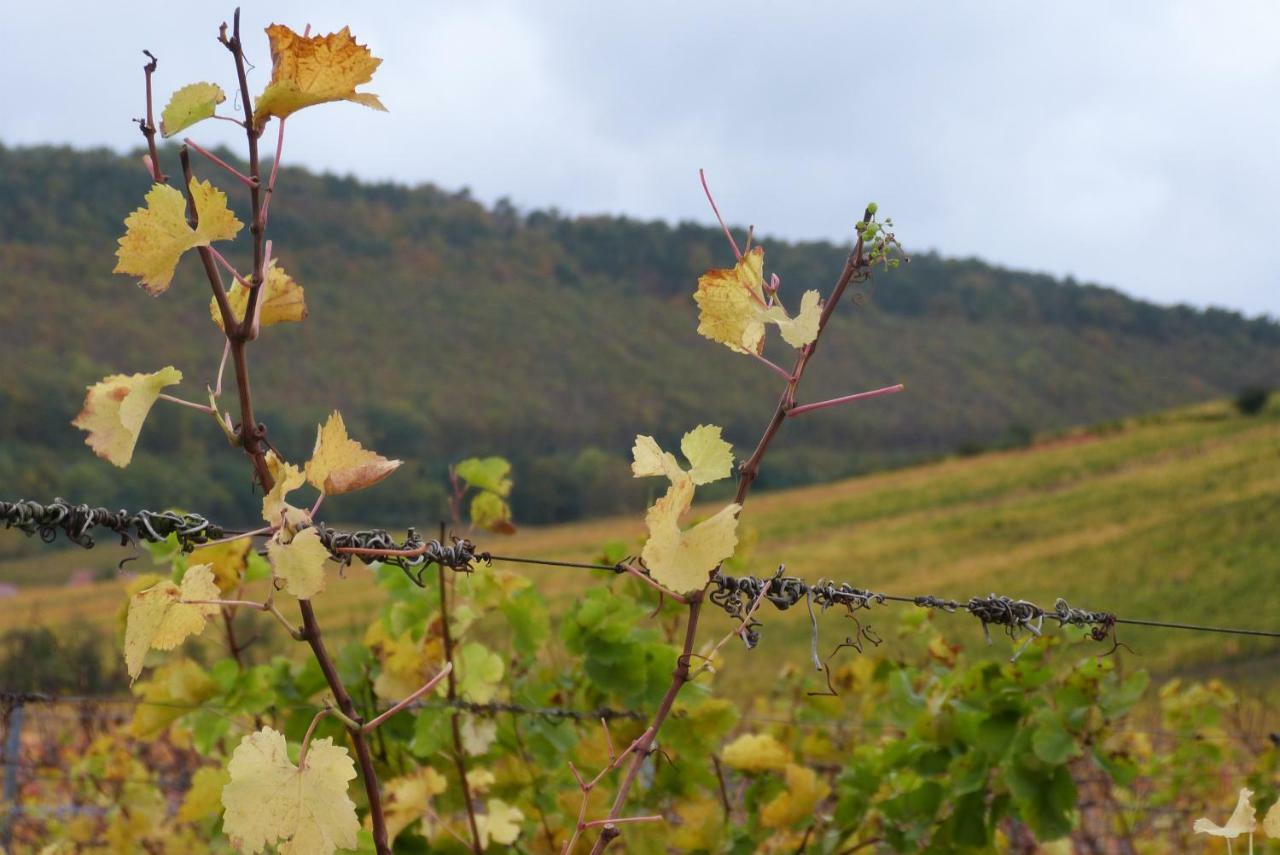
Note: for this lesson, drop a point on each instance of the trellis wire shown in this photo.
(733, 594)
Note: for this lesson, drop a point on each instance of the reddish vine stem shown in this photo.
(452, 690)
(748, 473)
(148, 127)
(640, 749)
(238, 333)
(750, 469)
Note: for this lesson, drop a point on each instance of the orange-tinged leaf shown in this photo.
(731, 301)
(733, 311)
(115, 408)
(308, 70)
(339, 464)
(283, 302)
(156, 236)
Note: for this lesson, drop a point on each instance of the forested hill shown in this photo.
(443, 329)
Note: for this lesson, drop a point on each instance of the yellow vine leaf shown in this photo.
(299, 563)
(1271, 822)
(1242, 820)
(500, 825)
(193, 103)
(173, 689)
(270, 800)
(308, 70)
(159, 619)
(115, 408)
(797, 801)
(803, 328)
(156, 236)
(478, 735)
(709, 456)
(681, 560)
(339, 464)
(732, 307)
(756, 752)
(408, 799)
(285, 479)
(228, 560)
(481, 780)
(283, 302)
(204, 798)
(701, 825)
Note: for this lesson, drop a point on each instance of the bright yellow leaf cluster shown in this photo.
(159, 619)
(733, 308)
(270, 800)
(308, 70)
(756, 752)
(282, 302)
(156, 236)
(115, 408)
(803, 792)
(682, 560)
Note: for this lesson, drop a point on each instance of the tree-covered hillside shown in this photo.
(444, 329)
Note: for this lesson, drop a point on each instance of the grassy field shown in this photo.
(1172, 517)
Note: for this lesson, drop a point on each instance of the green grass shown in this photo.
(1174, 517)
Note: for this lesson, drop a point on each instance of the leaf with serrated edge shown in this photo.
(157, 617)
(682, 561)
(283, 302)
(115, 408)
(156, 236)
(299, 563)
(193, 103)
(269, 799)
(339, 464)
(710, 457)
(309, 70)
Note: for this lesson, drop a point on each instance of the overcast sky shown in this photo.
(1132, 144)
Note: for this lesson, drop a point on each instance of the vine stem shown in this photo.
(458, 757)
(748, 472)
(750, 469)
(251, 434)
(641, 747)
(148, 127)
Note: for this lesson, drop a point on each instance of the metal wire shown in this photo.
(733, 594)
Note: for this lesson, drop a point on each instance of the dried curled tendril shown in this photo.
(76, 522)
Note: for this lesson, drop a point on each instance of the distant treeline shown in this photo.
(443, 328)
